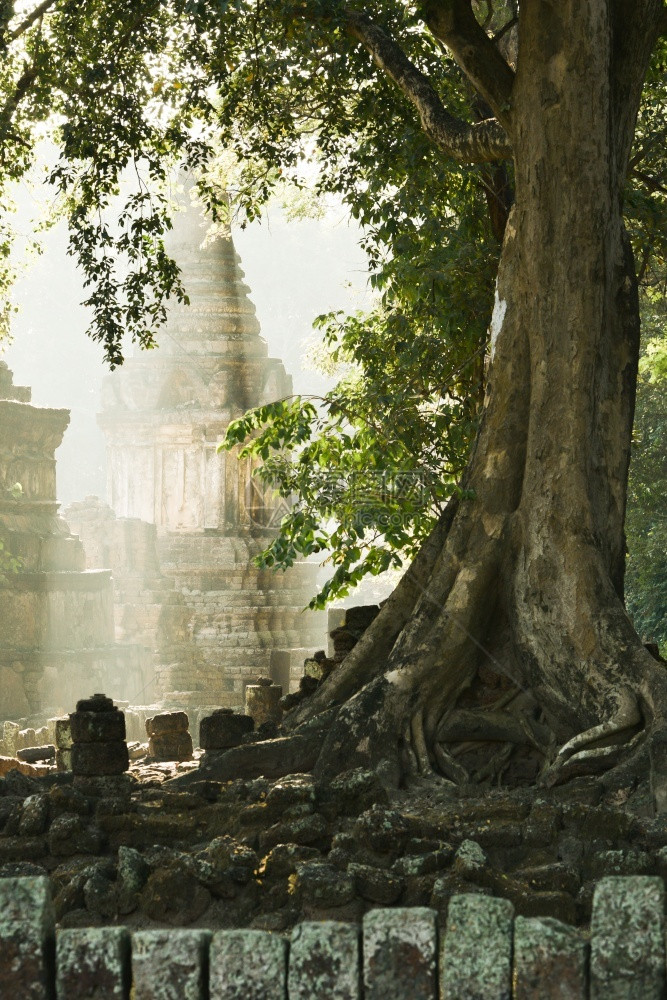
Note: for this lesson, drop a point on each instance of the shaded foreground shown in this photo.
(148, 851)
(399, 953)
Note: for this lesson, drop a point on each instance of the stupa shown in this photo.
(56, 618)
(164, 414)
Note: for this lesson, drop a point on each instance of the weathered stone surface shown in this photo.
(469, 860)
(283, 859)
(22, 849)
(97, 727)
(376, 885)
(556, 877)
(10, 764)
(14, 700)
(64, 760)
(550, 961)
(171, 746)
(33, 755)
(10, 733)
(309, 829)
(324, 962)
(106, 787)
(74, 834)
(262, 703)
(167, 722)
(400, 949)
(274, 758)
(132, 874)
(223, 729)
(173, 895)
(27, 927)
(169, 965)
(620, 862)
(34, 816)
(423, 864)
(92, 962)
(628, 939)
(98, 702)
(351, 792)
(100, 894)
(384, 830)
(322, 885)
(64, 733)
(228, 857)
(295, 790)
(477, 949)
(99, 759)
(542, 825)
(247, 965)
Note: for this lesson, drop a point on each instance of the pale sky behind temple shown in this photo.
(295, 271)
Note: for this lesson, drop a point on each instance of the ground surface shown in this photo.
(143, 850)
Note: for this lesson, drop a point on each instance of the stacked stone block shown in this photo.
(10, 738)
(400, 953)
(27, 934)
(346, 627)
(183, 953)
(287, 666)
(169, 736)
(247, 963)
(64, 744)
(92, 962)
(262, 702)
(223, 729)
(98, 738)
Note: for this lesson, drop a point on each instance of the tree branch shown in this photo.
(453, 23)
(480, 143)
(649, 181)
(7, 112)
(635, 30)
(30, 19)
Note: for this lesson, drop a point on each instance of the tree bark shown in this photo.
(529, 579)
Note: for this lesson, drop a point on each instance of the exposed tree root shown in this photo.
(496, 766)
(370, 655)
(601, 746)
(448, 767)
(419, 743)
(500, 727)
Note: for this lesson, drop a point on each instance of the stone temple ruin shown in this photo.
(164, 414)
(155, 598)
(56, 617)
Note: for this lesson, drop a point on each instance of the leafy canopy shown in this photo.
(370, 93)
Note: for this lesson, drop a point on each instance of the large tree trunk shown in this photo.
(526, 578)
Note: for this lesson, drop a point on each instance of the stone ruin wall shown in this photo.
(164, 414)
(56, 617)
(484, 952)
(151, 616)
(189, 620)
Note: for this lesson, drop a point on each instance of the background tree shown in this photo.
(522, 577)
(646, 580)
(370, 466)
